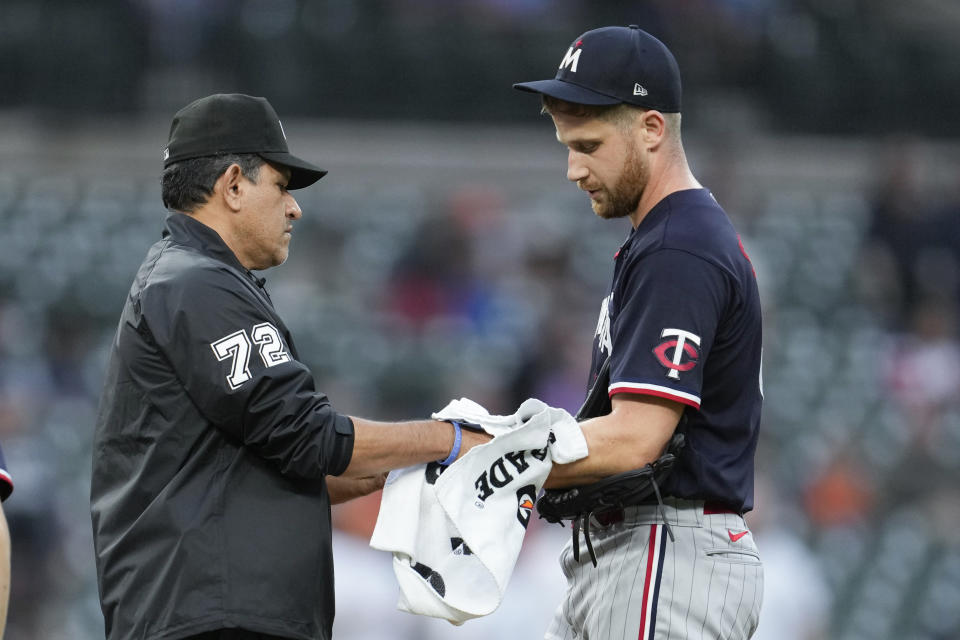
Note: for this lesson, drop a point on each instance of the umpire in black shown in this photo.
(215, 459)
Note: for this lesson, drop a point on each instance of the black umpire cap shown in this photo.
(614, 65)
(235, 123)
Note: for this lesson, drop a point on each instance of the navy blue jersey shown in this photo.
(6, 480)
(682, 321)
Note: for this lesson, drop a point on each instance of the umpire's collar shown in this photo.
(189, 231)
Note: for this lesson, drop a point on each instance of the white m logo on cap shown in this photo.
(571, 59)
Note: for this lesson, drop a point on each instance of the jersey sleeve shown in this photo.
(667, 312)
(237, 367)
(6, 480)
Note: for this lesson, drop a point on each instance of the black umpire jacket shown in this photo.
(208, 498)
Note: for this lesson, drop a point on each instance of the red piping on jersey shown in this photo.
(743, 250)
(647, 582)
(659, 394)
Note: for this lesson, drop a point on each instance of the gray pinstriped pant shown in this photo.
(707, 585)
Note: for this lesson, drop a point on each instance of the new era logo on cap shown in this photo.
(614, 65)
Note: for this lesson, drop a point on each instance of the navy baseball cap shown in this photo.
(235, 123)
(614, 65)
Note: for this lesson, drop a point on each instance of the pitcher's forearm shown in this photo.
(633, 434)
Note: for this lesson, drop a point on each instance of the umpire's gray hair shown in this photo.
(187, 184)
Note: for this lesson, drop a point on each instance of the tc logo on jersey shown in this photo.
(677, 353)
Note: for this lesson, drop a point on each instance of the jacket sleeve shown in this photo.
(237, 367)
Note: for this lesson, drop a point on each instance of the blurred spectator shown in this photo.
(841, 494)
(434, 278)
(796, 599)
(553, 367)
(912, 251)
(922, 370)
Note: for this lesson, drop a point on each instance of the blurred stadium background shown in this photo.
(446, 255)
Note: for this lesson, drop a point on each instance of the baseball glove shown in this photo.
(626, 489)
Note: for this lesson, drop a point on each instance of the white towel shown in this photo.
(455, 533)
